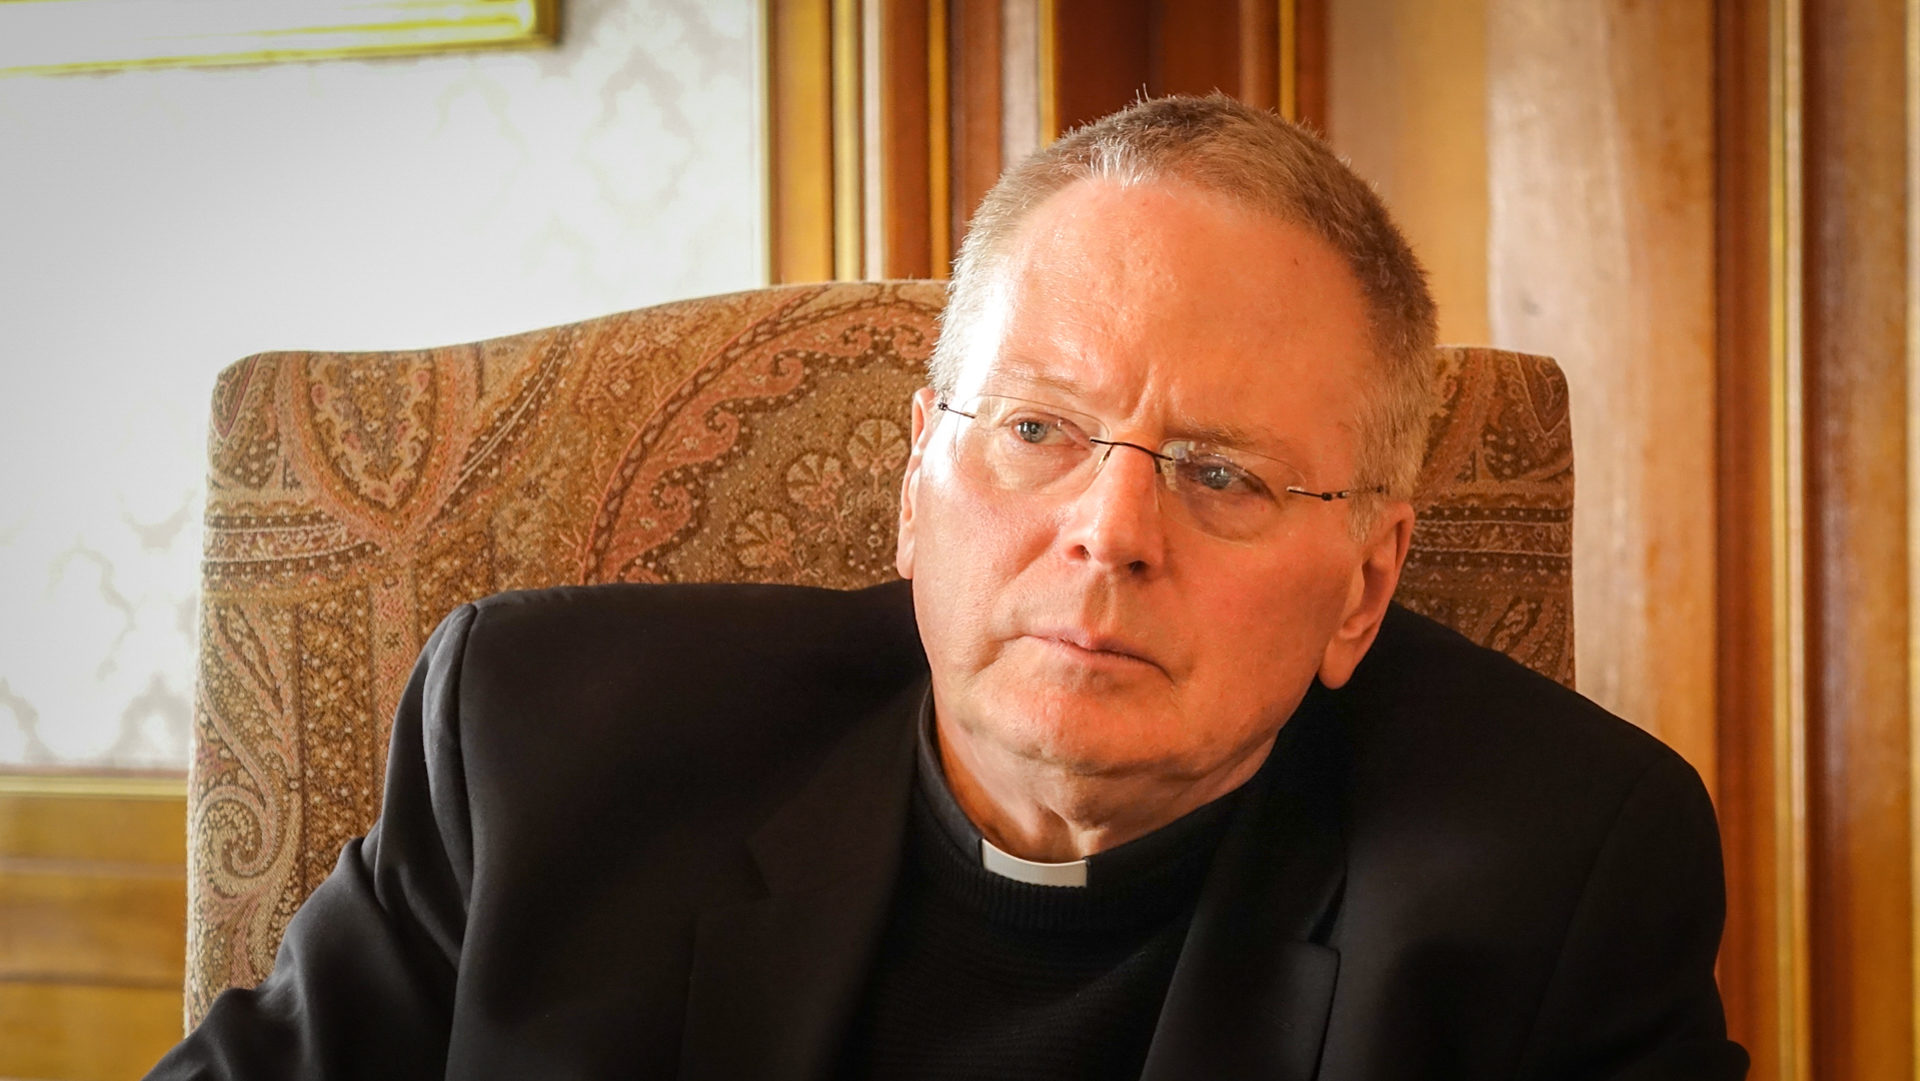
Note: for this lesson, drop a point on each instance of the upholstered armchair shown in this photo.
(354, 499)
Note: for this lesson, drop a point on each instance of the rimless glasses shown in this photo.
(1023, 446)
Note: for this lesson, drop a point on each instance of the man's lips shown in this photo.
(1098, 645)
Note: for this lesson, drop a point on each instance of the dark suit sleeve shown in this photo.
(363, 983)
(1633, 993)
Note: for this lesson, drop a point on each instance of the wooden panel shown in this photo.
(1194, 48)
(58, 1032)
(1027, 108)
(1407, 104)
(1268, 53)
(974, 36)
(1102, 58)
(1107, 54)
(78, 921)
(1309, 50)
(1857, 674)
(92, 933)
(146, 831)
(1259, 49)
(903, 202)
(1601, 254)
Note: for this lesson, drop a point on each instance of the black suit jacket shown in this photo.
(653, 832)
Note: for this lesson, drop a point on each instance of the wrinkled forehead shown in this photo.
(1136, 261)
(1213, 313)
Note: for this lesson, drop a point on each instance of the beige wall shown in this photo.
(157, 225)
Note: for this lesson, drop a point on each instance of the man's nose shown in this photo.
(1116, 522)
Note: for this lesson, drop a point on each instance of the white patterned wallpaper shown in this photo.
(158, 225)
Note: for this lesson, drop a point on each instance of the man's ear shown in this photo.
(923, 418)
(1374, 580)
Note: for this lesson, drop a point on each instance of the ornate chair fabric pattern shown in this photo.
(355, 499)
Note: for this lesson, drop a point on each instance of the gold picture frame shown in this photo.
(52, 36)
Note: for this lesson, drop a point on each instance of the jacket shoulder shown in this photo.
(1481, 754)
(684, 692)
(698, 638)
(1528, 876)
(1424, 680)
(808, 623)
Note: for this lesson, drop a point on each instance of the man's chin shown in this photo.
(1085, 728)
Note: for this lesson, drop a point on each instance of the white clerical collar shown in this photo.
(1008, 865)
(1126, 863)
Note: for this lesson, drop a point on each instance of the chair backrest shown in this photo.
(354, 499)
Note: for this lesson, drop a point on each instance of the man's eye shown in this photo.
(1219, 475)
(1045, 431)
(1033, 431)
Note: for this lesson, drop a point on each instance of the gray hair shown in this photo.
(1253, 156)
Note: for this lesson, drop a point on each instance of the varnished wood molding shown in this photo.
(859, 176)
(800, 159)
(1761, 645)
(1860, 846)
(850, 79)
(939, 129)
(1786, 367)
(1912, 52)
(127, 785)
(1288, 47)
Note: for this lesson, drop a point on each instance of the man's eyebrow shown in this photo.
(1267, 444)
(1033, 377)
(1232, 435)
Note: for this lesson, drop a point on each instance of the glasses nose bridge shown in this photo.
(1162, 464)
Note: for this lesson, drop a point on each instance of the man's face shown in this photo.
(1096, 631)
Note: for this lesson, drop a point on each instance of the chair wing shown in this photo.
(354, 499)
(1492, 553)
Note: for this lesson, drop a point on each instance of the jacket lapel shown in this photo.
(775, 981)
(1254, 985)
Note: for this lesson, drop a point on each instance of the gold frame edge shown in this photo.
(485, 31)
(1786, 362)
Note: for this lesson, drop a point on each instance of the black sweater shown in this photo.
(983, 976)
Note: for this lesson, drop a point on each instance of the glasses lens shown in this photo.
(1220, 492)
(1023, 446)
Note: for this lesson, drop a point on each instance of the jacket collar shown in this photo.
(775, 981)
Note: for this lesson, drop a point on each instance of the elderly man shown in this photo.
(1145, 778)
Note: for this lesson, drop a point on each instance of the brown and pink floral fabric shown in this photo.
(355, 499)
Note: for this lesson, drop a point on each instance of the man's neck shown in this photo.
(1040, 812)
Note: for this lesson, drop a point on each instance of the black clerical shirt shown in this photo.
(982, 975)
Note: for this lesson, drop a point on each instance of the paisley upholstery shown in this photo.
(356, 498)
